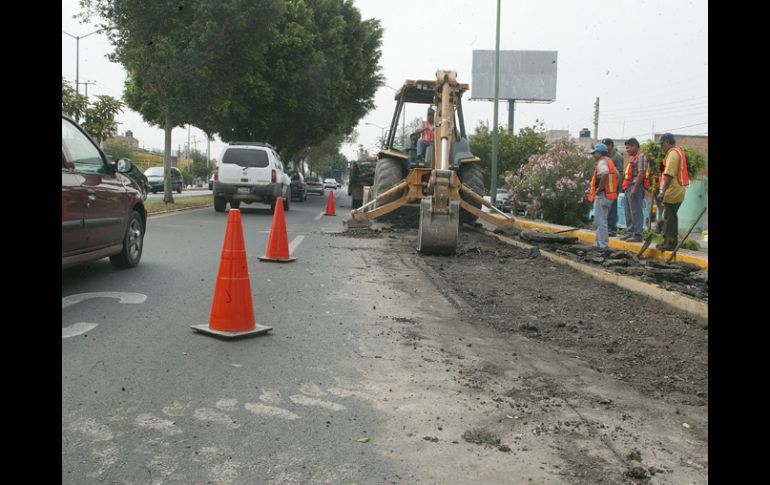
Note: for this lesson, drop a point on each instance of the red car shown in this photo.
(102, 209)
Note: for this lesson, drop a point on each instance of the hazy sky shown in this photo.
(647, 61)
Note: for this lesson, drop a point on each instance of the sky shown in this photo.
(647, 61)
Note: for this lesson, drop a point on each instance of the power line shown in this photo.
(655, 116)
(657, 110)
(625, 106)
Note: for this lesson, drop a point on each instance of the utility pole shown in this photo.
(511, 109)
(86, 83)
(596, 121)
(493, 181)
(77, 56)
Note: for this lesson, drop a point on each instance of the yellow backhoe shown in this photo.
(447, 184)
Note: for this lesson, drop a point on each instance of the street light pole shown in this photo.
(382, 132)
(77, 56)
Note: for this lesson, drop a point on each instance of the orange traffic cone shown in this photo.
(232, 313)
(278, 243)
(330, 205)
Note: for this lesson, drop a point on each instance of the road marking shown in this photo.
(319, 216)
(83, 327)
(210, 415)
(294, 243)
(77, 329)
(309, 401)
(163, 425)
(270, 411)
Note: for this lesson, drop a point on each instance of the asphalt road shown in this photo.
(376, 371)
(147, 400)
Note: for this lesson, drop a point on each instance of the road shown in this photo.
(377, 371)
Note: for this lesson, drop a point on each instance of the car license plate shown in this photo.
(243, 190)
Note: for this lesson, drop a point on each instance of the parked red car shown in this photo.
(102, 209)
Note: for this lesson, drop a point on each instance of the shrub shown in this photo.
(555, 183)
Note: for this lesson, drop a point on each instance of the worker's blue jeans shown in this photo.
(633, 207)
(422, 145)
(601, 209)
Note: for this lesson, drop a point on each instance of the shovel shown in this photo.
(649, 229)
(685, 236)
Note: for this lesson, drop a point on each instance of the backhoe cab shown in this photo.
(447, 185)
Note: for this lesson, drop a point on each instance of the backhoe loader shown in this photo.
(447, 184)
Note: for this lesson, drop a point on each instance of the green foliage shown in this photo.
(512, 150)
(317, 76)
(555, 183)
(697, 165)
(118, 149)
(97, 118)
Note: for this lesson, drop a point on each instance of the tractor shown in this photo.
(446, 184)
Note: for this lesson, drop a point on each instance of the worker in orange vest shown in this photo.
(604, 189)
(673, 180)
(426, 134)
(636, 180)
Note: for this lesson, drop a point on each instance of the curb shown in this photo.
(179, 210)
(589, 237)
(672, 298)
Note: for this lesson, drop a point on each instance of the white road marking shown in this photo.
(163, 425)
(204, 414)
(272, 397)
(309, 401)
(83, 327)
(319, 216)
(77, 329)
(294, 243)
(93, 429)
(270, 411)
(311, 390)
(227, 404)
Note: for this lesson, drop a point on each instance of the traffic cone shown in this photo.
(330, 205)
(232, 313)
(278, 243)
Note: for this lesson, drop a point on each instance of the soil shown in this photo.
(655, 349)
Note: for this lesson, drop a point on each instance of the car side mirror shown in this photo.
(124, 165)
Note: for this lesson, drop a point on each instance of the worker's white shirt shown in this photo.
(602, 167)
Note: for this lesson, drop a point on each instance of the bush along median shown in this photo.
(156, 206)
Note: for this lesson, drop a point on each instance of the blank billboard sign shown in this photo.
(524, 75)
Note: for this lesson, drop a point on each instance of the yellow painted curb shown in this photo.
(589, 237)
(675, 299)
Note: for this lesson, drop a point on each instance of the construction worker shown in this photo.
(636, 179)
(604, 189)
(673, 180)
(617, 159)
(427, 134)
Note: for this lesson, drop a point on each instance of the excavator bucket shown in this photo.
(438, 232)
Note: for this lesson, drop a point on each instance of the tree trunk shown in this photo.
(167, 197)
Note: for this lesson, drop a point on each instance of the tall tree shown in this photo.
(512, 150)
(317, 79)
(97, 118)
(181, 56)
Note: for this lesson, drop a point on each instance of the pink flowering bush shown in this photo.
(555, 184)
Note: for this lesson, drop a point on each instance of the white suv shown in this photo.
(250, 172)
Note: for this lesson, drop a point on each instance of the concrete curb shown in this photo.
(589, 237)
(178, 210)
(672, 298)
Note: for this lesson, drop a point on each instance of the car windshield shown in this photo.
(154, 172)
(246, 157)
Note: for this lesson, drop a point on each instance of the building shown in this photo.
(699, 143)
(553, 135)
(128, 139)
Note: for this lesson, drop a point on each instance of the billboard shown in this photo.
(524, 75)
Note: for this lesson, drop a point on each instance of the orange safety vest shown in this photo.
(427, 135)
(629, 173)
(610, 190)
(682, 175)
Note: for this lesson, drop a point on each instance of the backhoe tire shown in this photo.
(387, 174)
(471, 175)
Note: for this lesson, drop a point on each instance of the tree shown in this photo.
(181, 57)
(697, 165)
(117, 149)
(317, 77)
(512, 150)
(98, 119)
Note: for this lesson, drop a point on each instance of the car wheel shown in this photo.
(133, 241)
(179, 190)
(220, 204)
(235, 204)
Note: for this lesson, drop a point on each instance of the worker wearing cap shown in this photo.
(673, 180)
(617, 159)
(604, 189)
